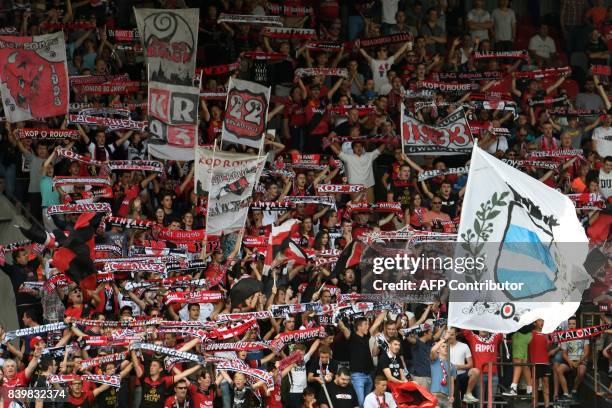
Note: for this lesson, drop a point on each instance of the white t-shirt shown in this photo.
(603, 141)
(542, 47)
(459, 353)
(372, 401)
(359, 168)
(389, 9)
(206, 310)
(502, 24)
(605, 183)
(479, 16)
(298, 377)
(501, 143)
(379, 71)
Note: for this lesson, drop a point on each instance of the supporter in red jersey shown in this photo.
(484, 347)
(203, 394)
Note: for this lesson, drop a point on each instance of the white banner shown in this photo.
(246, 113)
(451, 136)
(34, 76)
(519, 225)
(170, 42)
(173, 113)
(229, 179)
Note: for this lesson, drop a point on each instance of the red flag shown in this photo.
(355, 255)
(280, 242)
(412, 395)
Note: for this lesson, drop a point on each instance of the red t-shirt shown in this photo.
(200, 399)
(538, 348)
(20, 380)
(131, 192)
(295, 114)
(86, 400)
(213, 130)
(274, 399)
(483, 350)
(317, 108)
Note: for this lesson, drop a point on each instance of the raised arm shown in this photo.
(365, 55)
(401, 51)
(602, 92)
(334, 88)
(84, 135)
(557, 84)
(377, 322)
(186, 373)
(411, 163)
(345, 330)
(138, 369)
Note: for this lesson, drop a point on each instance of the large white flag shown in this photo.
(229, 180)
(530, 237)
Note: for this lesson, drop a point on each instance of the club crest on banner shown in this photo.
(246, 113)
(34, 76)
(533, 245)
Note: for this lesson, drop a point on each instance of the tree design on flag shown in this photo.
(475, 239)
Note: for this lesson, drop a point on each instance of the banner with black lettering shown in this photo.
(229, 181)
(34, 76)
(173, 113)
(170, 40)
(246, 113)
(451, 136)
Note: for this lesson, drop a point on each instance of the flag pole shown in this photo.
(327, 394)
(212, 166)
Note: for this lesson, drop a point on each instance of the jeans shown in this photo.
(295, 400)
(363, 385)
(297, 138)
(226, 394)
(9, 172)
(355, 27)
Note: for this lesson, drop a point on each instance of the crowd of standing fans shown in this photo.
(352, 125)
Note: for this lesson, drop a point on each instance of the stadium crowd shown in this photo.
(323, 129)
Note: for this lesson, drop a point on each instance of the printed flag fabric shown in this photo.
(170, 41)
(451, 136)
(229, 179)
(34, 76)
(280, 242)
(173, 113)
(246, 113)
(523, 224)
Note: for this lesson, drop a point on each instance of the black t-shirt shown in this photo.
(393, 363)
(244, 398)
(449, 205)
(401, 190)
(107, 399)
(315, 367)
(154, 393)
(360, 356)
(342, 397)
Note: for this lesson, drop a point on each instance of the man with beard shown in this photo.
(341, 392)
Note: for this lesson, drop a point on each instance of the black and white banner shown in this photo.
(170, 40)
(246, 113)
(444, 172)
(451, 136)
(229, 179)
(173, 113)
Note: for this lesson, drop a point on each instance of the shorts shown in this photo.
(542, 370)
